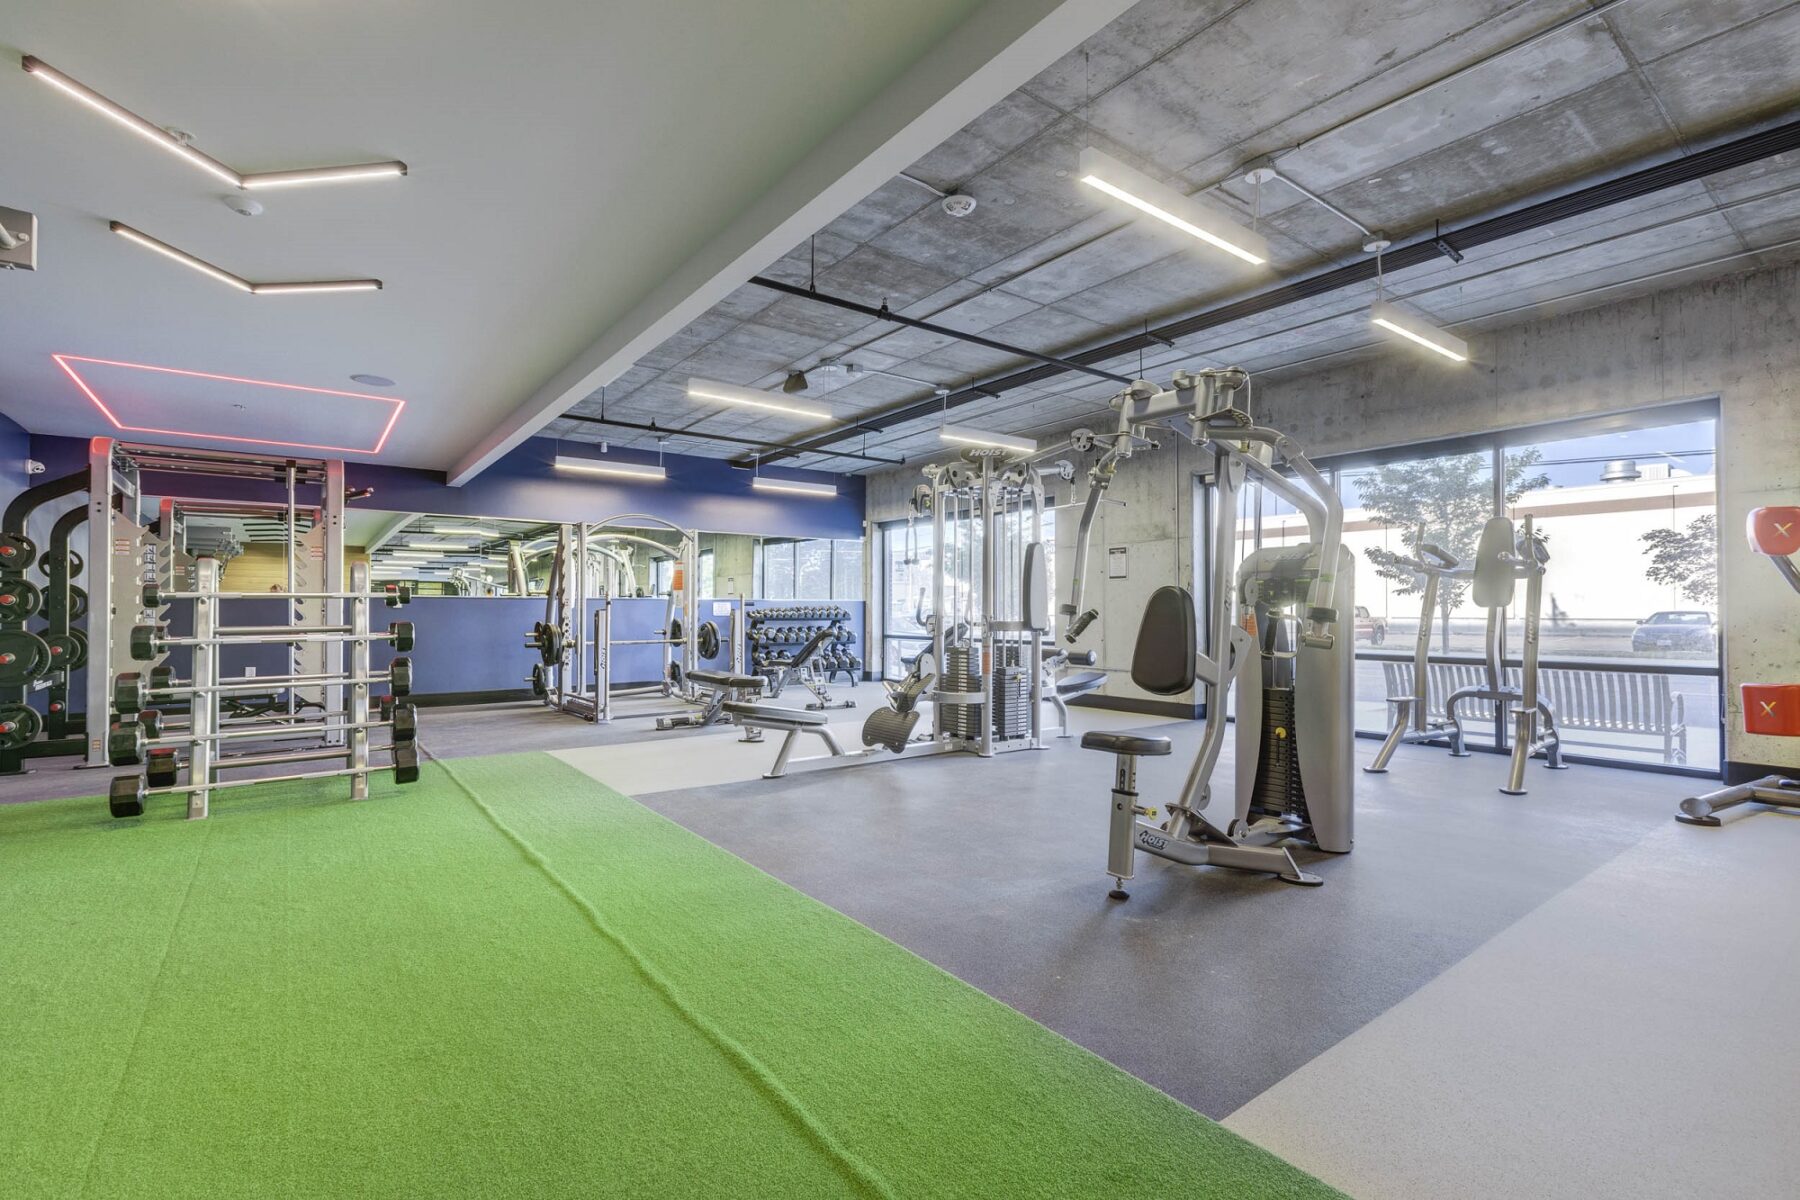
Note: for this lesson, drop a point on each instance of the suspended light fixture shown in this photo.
(1107, 174)
(594, 466)
(796, 381)
(764, 483)
(1404, 324)
(743, 397)
(1419, 333)
(966, 435)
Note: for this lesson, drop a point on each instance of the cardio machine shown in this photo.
(1772, 709)
(1504, 556)
(1413, 720)
(1274, 638)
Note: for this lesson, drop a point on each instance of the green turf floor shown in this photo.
(509, 981)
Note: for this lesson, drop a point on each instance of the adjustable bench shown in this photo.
(791, 721)
(804, 668)
(715, 689)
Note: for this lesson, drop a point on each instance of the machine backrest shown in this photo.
(1494, 571)
(1034, 589)
(812, 647)
(1163, 663)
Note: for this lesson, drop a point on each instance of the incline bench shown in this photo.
(1624, 702)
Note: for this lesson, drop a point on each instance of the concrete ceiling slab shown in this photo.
(1354, 98)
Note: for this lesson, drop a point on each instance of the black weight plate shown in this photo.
(23, 656)
(78, 602)
(19, 599)
(18, 726)
(68, 651)
(16, 552)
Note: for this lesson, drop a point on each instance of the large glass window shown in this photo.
(1628, 642)
(909, 566)
(706, 574)
(1630, 522)
(847, 569)
(812, 570)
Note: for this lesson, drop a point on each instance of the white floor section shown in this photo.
(1633, 1037)
(704, 757)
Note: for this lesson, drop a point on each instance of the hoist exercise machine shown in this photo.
(1772, 709)
(1413, 718)
(1272, 635)
(1505, 555)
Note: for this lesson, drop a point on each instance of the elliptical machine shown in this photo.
(1274, 636)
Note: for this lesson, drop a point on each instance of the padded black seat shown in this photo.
(1126, 743)
(774, 715)
(1081, 681)
(726, 679)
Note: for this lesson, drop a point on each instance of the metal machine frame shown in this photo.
(1273, 633)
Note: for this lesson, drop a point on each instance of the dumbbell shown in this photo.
(150, 642)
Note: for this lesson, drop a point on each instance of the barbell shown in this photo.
(150, 642)
(129, 793)
(133, 693)
(128, 742)
(394, 595)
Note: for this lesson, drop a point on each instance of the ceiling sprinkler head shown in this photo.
(959, 205)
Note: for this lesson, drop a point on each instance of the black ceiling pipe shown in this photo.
(661, 431)
(1634, 185)
(884, 314)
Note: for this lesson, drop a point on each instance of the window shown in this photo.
(847, 569)
(1626, 509)
(812, 570)
(777, 571)
(706, 575)
(662, 576)
(909, 566)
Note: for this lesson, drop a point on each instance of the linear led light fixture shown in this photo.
(743, 397)
(1420, 333)
(462, 547)
(1107, 174)
(764, 483)
(967, 435)
(236, 281)
(595, 466)
(206, 162)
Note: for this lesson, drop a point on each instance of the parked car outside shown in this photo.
(1372, 629)
(1676, 629)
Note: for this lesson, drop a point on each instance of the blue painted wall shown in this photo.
(700, 493)
(15, 448)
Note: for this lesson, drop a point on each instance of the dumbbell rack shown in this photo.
(339, 734)
(793, 626)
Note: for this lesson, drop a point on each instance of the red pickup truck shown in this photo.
(1374, 629)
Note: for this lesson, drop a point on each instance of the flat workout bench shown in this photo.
(792, 721)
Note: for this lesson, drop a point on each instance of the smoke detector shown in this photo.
(241, 204)
(959, 205)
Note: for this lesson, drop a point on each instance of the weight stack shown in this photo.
(962, 674)
(1012, 702)
(1279, 791)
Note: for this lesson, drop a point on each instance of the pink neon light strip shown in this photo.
(63, 361)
